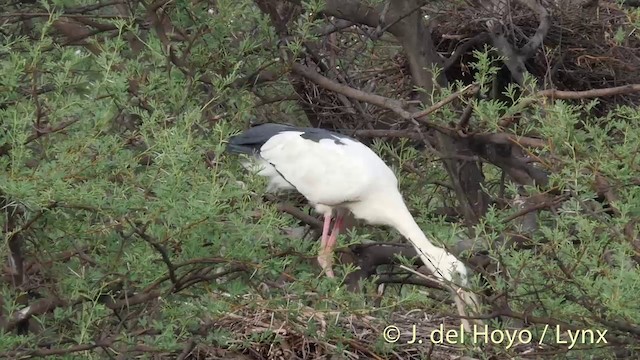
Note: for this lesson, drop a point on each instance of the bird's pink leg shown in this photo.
(326, 251)
(324, 258)
(325, 231)
(337, 228)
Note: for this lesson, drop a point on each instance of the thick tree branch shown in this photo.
(407, 24)
(543, 28)
(355, 11)
(333, 27)
(464, 47)
(507, 139)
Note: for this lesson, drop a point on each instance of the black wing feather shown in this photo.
(250, 141)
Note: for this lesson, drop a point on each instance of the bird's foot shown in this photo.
(326, 263)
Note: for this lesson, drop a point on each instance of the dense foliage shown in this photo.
(128, 231)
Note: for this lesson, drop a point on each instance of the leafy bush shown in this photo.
(129, 232)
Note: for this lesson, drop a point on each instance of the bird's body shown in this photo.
(336, 173)
(328, 169)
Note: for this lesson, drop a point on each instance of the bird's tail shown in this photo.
(250, 141)
(236, 148)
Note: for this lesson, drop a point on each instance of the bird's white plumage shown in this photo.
(263, 168)
(326, 172)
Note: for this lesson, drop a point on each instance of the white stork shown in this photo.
(336, 173)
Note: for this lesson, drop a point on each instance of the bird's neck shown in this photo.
(406, 225)
(388, 208)
(399, 217)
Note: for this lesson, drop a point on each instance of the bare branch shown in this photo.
(333, 27)
(37, 308)
(613, 91)
(409, 134)
(462, 49)
(386, 103)
(50, 130)
(545, 203)
(504, 138)
(295, 212)
(396, 106)
(469, 89)
(543, 28)
(163, 252)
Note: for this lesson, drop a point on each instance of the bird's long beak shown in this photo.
(468, 305)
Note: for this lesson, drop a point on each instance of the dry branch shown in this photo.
(409, 134)
(141, 232)
(394, 105)
(384, 102)
(504, 138)
(586, 94)
(545, 203)
(467, 90)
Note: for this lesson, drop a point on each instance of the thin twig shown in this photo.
(163, 252)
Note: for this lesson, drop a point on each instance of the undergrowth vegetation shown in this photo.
(127, 231)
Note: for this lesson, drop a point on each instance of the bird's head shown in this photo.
(456, 279)
(452, 270)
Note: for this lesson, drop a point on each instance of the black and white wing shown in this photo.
(327, 168)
